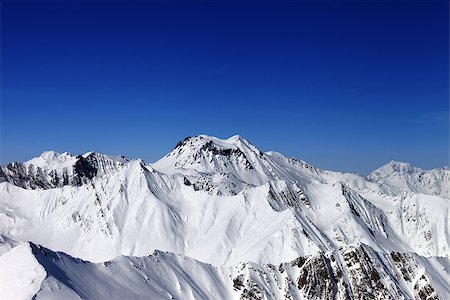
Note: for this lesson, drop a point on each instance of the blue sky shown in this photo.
(344, 85)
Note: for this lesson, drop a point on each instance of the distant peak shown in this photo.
(51, 159)
(50, 154)
(393, 167)
(235, 138)
(404, 167)
(199, 140)
(89, 153)
(204, 152)
(93, 155)
(399, 166)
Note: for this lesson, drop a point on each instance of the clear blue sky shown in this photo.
(343, 85)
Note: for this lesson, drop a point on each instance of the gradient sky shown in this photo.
(343, 85)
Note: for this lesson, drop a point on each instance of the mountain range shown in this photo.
(220, 219)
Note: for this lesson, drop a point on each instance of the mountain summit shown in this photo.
(209, 154)
(219, 219)
(400, 177)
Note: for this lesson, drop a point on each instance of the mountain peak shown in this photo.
(52, 160)
(212, 143)
(52, 155)
(399, 166)
(393, 168)
(224, 143)
(396, 177)
(305, 233)
(89, 153)
(205, 153)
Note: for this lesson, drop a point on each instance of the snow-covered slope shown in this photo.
(223, 202)
(355, 271)
(51, 169)
(397, 177)
(21, 275)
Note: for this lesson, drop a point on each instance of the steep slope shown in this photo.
(157, 276)
(102, 220)
(222, 202)
(21, 275)
(213, 211)
(353, 272)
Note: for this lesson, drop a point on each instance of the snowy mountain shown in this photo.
(219, 219)
(356, 271)
(51, 169)
(398, 177)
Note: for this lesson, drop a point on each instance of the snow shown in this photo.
(218, 202)
(163, 275)
(157, 276)
(52, 160)
(6, 244)
(20, 273)
(398, 177)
